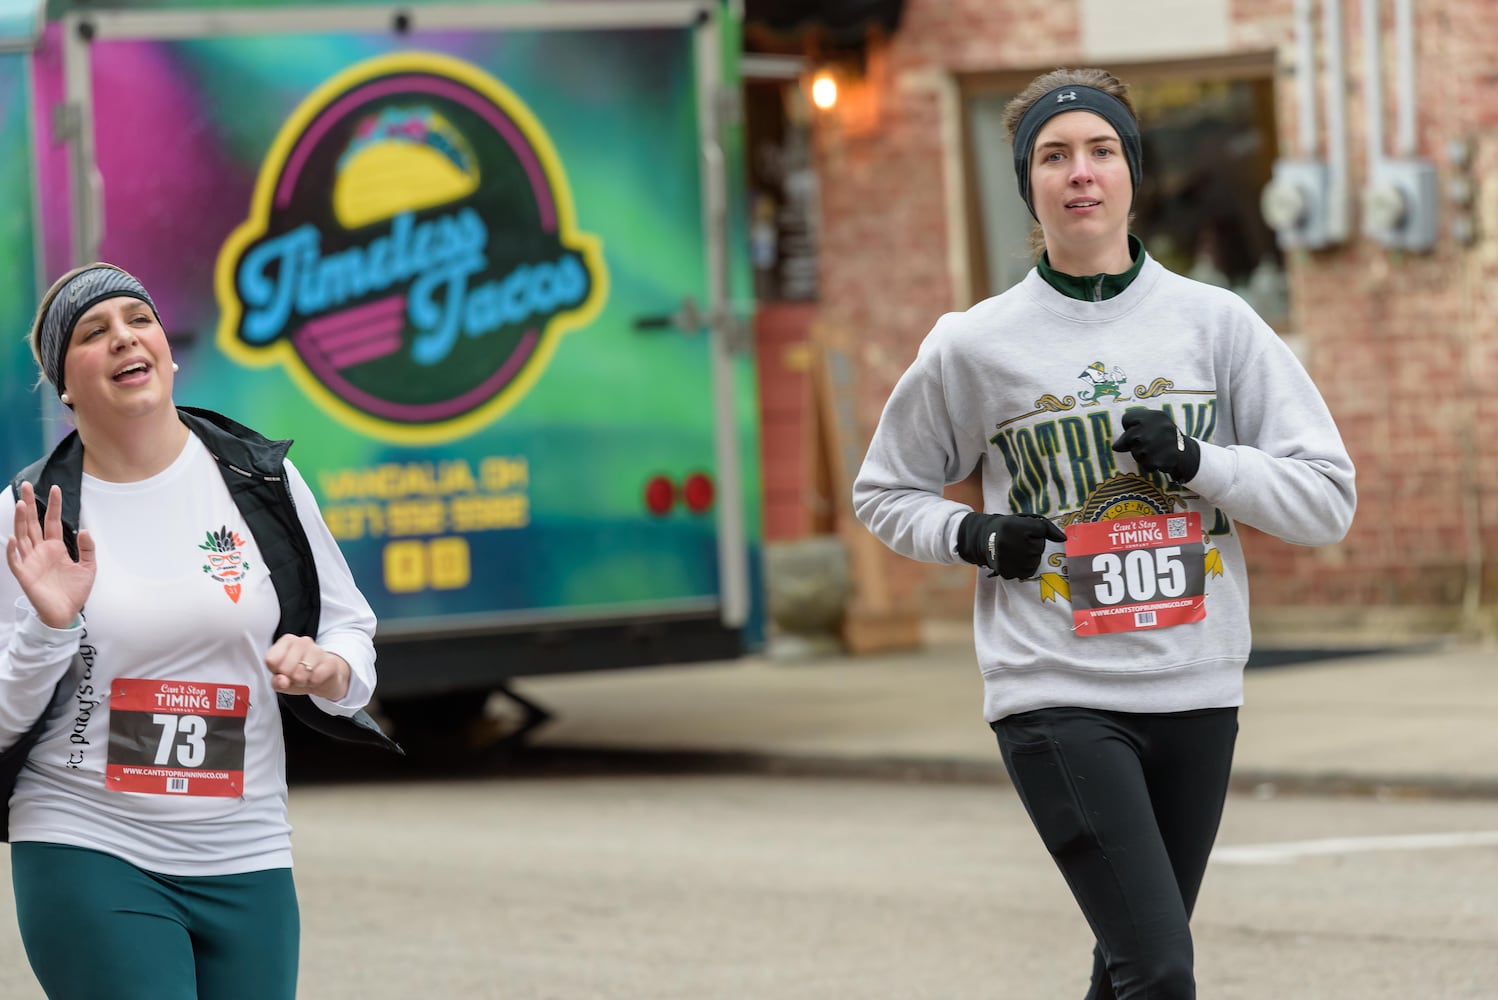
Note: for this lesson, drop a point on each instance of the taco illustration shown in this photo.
(401, 159)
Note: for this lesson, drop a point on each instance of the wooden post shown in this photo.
(875, 619)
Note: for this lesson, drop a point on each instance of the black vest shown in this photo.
(252, 467)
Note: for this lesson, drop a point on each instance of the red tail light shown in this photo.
(660, 495)
(697, 492)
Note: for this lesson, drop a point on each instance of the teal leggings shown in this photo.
(98, 928)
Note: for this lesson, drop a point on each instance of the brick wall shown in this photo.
(1404, 347)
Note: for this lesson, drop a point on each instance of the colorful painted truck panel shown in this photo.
(480, 262)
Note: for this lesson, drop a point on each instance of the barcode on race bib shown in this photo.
(176, 785)
(1144, 619)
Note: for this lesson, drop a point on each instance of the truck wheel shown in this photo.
(462, 727)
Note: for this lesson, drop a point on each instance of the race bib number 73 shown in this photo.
(176, 737)
(1136, 573)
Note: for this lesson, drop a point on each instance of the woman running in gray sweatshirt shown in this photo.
(1126, 420)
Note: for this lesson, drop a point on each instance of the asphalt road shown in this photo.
(615, 886)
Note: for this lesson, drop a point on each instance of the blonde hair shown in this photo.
(1098, 79)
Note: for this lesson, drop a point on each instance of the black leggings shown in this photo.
(1128, 806)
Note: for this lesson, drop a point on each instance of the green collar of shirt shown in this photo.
(1093, 287)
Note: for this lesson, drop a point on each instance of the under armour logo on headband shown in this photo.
(1068, 95)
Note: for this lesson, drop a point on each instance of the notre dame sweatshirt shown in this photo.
(1028, 387)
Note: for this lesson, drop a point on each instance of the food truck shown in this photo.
(481, 261)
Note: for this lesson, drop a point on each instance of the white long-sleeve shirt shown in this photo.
(163, 609)
(1030, 386)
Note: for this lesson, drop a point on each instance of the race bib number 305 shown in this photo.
(1136, 573)
(176, 737)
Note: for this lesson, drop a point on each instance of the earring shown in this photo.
(174, 366)
(66, 399)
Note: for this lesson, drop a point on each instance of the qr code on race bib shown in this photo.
(176, 785)
(225, 699)
(1144, 619)
(1175, 527)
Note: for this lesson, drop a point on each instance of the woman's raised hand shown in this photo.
(55, 584)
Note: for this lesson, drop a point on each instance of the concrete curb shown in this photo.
(1263, 783)
(1266, 783)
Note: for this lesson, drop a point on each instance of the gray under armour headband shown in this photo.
(86, 290)
(1075, 97)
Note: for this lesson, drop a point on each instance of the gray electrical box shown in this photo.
(1400, 204)
(1297, 205)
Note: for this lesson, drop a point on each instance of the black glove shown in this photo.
(1158, 445)
(1009, 544)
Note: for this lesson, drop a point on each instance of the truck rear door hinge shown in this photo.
(729, 107)
(67, 121)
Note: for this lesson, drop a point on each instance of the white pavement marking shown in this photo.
(1276, 854)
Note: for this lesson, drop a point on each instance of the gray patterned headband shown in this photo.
(86, 290)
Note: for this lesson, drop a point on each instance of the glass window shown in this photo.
(1209, 148)
(783, 209)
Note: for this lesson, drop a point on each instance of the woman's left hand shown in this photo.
(298, 665)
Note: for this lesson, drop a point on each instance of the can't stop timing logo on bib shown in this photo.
(411, 254)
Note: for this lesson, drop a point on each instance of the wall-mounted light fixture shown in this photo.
(824, 90)
(846, 83)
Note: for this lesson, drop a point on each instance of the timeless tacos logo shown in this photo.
(411, 254)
